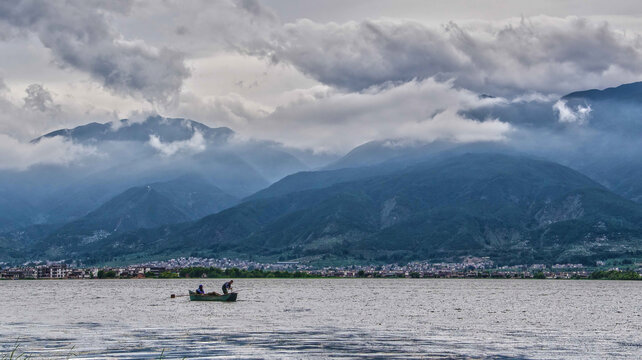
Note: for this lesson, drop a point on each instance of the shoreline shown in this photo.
(441, 271)
(328, 277)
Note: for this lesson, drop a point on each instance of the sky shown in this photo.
(324, 76)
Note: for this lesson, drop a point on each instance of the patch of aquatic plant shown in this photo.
(15, 353)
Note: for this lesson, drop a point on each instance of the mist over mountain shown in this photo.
(129, 154)
(595, 132)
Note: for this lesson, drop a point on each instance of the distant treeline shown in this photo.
(212, 272)
(106, 274)
(615, 275)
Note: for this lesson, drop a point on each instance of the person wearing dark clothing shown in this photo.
(200, 290)
(227, 286)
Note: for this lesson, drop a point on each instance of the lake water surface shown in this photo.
(324, 318)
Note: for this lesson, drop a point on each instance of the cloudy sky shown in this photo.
(320, 75)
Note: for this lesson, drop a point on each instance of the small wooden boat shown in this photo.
(193, 296)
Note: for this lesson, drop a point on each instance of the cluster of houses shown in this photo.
(225, 263)
(62, 271)
(470, 267)
(53, 271)
(452, 274)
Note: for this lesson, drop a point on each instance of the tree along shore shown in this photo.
(213, 272)
(615, 275)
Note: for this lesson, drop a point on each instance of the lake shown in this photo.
(324, 318)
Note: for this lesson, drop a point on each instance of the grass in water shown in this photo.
(17, 354)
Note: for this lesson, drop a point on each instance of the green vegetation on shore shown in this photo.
(539, 275)
(615, 275)
(109, 274)
(212, 272)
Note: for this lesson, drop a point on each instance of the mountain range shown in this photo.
(133, 154)
(175, 187)
(509, 208)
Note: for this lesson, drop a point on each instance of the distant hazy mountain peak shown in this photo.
(166, 129)
(625, 92)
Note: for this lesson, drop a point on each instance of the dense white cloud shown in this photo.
(18, 155)
(193, 145)
(232, 110)
(329, 120)
(326, 119)
(566, 114)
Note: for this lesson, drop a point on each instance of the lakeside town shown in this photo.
(470, 267)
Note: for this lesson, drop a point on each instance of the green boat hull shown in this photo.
(197, 297)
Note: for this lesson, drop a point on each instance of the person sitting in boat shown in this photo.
(200, 290)
(227, 286)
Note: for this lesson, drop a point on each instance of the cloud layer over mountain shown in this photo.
(54, 151)
(318, 85)
(426, 110)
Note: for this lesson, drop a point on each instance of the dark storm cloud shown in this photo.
(79, 36)
(537, 54)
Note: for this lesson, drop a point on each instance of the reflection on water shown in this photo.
(324, 318)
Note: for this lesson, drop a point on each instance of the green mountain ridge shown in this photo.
(513, 209)
(142, 207)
